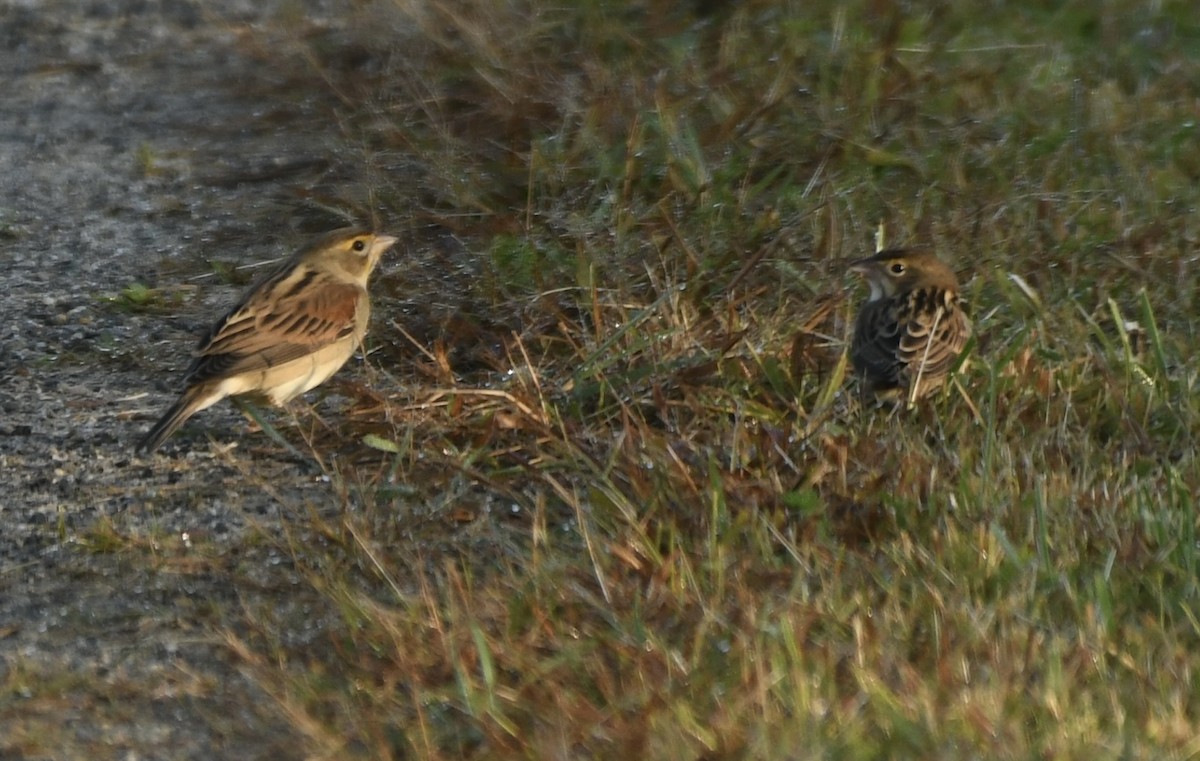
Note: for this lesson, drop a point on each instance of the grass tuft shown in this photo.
(611, 492)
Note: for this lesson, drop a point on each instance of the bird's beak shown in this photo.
(861, 266)
(869, 270)
(384, 242)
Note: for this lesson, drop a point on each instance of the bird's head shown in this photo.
(354, 251)
(901, 270)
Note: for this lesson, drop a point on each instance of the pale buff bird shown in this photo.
(289, 333)
(912, 328)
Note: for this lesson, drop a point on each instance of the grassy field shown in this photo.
(622, 500)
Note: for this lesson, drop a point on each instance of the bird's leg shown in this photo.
(252, 412)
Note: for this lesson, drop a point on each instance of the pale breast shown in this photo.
(306, 373)
(282, 383)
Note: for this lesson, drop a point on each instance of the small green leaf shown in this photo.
(138, 294)
(803, 501)
(380, 443)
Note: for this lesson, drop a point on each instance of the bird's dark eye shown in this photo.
(897, 268)
(359, 245)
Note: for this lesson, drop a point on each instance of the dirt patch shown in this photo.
(141, 141)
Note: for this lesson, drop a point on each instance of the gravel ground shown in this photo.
(138, 139)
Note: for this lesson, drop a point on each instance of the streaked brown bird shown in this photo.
(912, 328)
(289, 333)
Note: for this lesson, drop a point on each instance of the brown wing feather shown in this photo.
(284, 319)
(934, 333)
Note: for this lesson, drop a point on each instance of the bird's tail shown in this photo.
(189, 403)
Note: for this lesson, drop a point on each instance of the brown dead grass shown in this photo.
(607, 493)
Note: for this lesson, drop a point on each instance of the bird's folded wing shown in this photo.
(932, 340)
(275, 325)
